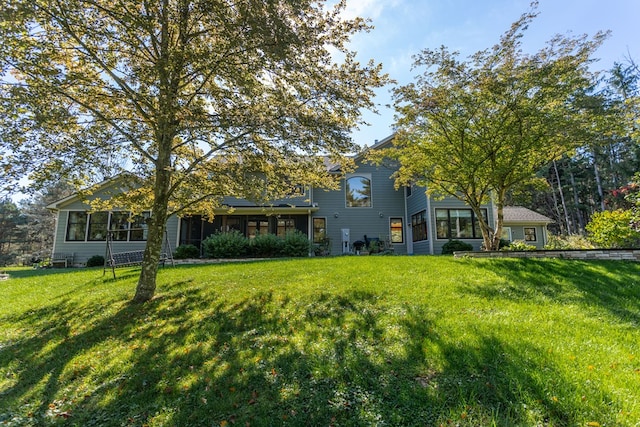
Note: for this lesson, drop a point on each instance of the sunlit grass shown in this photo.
(326, 341)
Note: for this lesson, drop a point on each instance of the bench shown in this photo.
(129, 259)
(64, 260)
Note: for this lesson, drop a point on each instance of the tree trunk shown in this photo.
(166, 131)
(564, 204)
(596, 173)
(495, 242)
(157, 225)
(576, 202)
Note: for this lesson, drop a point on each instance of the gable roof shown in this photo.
(520, 214)
(377, 145)
(116, 181)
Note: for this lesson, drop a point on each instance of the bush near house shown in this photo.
(186, 251)
(519, 245)
(612, 229)
(296, 244)
(455, 245)
(266, 246)
(571, 241)
(95, 261)
(232, 244)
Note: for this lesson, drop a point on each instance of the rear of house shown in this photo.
(366, 211)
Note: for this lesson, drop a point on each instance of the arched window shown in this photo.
(358, 191)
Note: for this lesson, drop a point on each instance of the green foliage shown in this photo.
(323, 248)
(612, 229)
(633, 198)
(461, 342)
(204, 99)
(296, 244)
(454, 246)
(479, 128)
(266, 245)
(95, 261)
(186, 251)
(572, 241)
(519, 245)
(232, 244)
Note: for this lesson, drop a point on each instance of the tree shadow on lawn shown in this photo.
(613, 286)
(269, 359)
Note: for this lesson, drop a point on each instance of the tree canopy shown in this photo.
(475, 129)
(198, 98)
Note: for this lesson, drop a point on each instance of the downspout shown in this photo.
(310, 221)
(55, 232)
(406, 225)
(430, 222)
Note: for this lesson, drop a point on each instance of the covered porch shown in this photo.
(250, 221)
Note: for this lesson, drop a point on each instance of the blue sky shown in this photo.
(405, 27)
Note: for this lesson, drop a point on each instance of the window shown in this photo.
(298, 190)
(98, 226)
(506, 233)
(285, 226)
(396, 230)
(76, 226)
(319, 229)
(139, 227)
(122, 226)
(419, 226)
(409, 190)
(119, 226)
(257, 227)
(530, 234)
(358, 191)
(458, 224)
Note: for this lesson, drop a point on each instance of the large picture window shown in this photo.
(93, 227)
(458, 224)
(419, 226)
(358, 191)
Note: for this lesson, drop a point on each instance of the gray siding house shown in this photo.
(367, 208)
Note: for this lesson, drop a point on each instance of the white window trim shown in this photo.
(360, 175)
(402, 228)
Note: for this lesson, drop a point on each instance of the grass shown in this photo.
(344, 341)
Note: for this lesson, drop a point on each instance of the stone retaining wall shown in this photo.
(612, 254)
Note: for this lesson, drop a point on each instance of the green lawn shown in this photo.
(343, 341)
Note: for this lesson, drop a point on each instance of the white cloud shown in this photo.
(371, 9)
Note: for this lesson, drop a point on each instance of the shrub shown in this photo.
(225, 245)
(266, 245)
(612, 229)
(572, 241)
(503, 244)
(519, 245)
(95, 261)
(186, 251)
(296, 244)
(455, 245)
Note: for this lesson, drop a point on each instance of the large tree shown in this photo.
(475, 129)
(202, 98)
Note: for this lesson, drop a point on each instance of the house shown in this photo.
(520, 223)
(366, 208)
